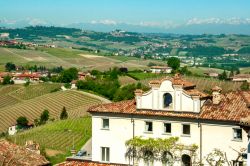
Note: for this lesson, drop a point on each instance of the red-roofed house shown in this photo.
(172, 108)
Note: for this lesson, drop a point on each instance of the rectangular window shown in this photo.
(148, 126)
(237, 163)
(105, 154)
(237, 134)
(186, 129)
(105, 123)
(167, 127)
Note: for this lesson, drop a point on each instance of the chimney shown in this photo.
(216, 95)
(138, 94)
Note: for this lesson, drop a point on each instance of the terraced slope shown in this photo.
(59, 137)
(76, 104)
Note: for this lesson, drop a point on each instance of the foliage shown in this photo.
(127, 92)
(7, 80)
(216, 158)
(244, 86)
(44, 116)
(22, 121)
(244, 50)
(150, 64)
(223, 76)
(156, 149)
(64, 114)
(68, 75)
(174, 63)
(10, 66)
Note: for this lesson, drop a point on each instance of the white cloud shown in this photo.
(232, 21)
(106, 22)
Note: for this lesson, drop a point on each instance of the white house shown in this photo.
(160, 69)
(12, 130)
(172, 108)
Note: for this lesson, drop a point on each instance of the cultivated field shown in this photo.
(59, 137)
(204, 83)
(75, 102)
(51, 57)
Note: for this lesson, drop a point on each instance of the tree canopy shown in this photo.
(174, 63)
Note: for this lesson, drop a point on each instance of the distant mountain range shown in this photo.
(202, 28)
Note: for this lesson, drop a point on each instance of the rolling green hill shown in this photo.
(58, 138)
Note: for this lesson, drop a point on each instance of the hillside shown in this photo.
(51, 57)
(76, 104)
(58, 138)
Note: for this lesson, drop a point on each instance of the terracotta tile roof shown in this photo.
(86, 163)
(177, 80)
(195, 92)
(232, 108)
(12, 155)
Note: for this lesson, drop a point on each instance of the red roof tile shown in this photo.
(12, 155)
(232, 108)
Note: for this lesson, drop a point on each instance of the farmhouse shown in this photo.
(212, 73)
(241, 77)
(24, 77)
(161, 69)
(172, 108)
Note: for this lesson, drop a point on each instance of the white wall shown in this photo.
(181, 101)
(213, 136)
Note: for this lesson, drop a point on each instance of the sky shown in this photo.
(154, 13)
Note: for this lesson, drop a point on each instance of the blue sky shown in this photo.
(129, 11)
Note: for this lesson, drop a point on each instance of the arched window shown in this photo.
(148, 158)
(167, 158)
(186, 160)
(167, 100)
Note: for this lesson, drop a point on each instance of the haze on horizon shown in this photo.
(187, 16)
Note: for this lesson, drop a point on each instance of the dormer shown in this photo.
(170, 94)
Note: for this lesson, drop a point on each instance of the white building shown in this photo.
(172, 108)
(161, 69)
(12, 130)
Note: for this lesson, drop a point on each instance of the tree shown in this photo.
(244, 86)
(7, 80)
(10, 66)
(22, 122)
(174, 63)
(44, 117)
(68, 75)
(64, 114)
(223, 76)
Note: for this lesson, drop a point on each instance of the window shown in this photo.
(105, 123)
(167, 127)
(237, 134)
(237, 163)
(148, 126)
(105, 153)
(167, 100)
(186, 160)
(186, 129)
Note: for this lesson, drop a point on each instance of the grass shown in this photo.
(60, 136)
(124, 80)
(123, 58)
(143, 76)
(205, 83)
(201, 70)
(35, 90)
(75, 102)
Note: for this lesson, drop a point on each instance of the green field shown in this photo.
(58, 138)
(204, 83)
(143, 76)
(30, 101)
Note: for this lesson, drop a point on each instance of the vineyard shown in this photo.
(204, 83)
(76, 104)
(32, 91)
(59, 136)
